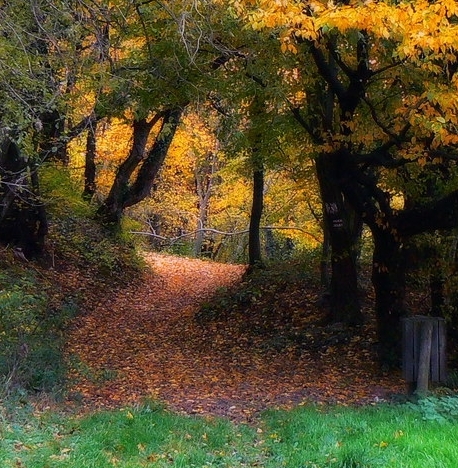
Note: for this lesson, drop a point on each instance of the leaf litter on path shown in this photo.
(145, 341)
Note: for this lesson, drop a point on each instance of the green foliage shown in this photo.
(31, 335)
(437, 408)
(125, 236)
(84, 243)
(61, 192)
(183, 248)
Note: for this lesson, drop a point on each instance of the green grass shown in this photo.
(146, 436)
(401, 436)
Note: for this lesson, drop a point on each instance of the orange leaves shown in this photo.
(146, 341)
(287, 46)
(284, 14)
(420, 29)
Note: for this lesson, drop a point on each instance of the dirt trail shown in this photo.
(145, 342)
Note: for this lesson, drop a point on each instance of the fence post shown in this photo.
(423, 351)
(424, 357)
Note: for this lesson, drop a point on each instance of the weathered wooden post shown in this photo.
(423, 352)
(424, 357)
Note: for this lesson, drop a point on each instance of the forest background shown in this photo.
(242, 131)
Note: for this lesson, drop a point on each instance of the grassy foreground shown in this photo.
(410, 436)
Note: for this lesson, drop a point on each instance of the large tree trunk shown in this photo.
(23, 221)
(325, 280)
(111, 210)
(123, 193)
(143, 183)
(51, 145)
(343, 237)
(388, 279)
(255, 138)
(391, 230)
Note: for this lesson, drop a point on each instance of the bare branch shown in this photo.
(173, 240)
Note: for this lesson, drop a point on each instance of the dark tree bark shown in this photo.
(391, 230)
(50, 141)
(337, 100)
(438, 293)
(23, 221)
(388, 279)
(111, 210)
(124, 193)
(439, 214)
(339, 219)
(325, 278)
(89, 166)
(254, 240)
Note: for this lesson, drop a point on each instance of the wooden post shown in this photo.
(423, 352)
(424, 358)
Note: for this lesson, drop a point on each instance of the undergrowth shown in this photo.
(262, 288)
(75, 237)
(31, 334)
(39, 297)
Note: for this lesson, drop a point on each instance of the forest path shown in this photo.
(146, 342)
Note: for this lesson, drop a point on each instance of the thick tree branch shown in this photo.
(327, 72)
(381, 157)
(80, 127)
(441, 214)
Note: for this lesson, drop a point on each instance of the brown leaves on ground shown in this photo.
(154, 339)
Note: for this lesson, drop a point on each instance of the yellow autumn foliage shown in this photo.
(417, 27)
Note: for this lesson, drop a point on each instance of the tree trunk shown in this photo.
(123, 193)
(340, 223)
(23, 221)
(325, 280)
(142, 185)
(254, 240)
(203, 178)
(111, 210)
(50, 142)
(388, 279)
(89, 166)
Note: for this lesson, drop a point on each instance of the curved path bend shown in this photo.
(145, 342)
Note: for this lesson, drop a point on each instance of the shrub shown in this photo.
(31, 335)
